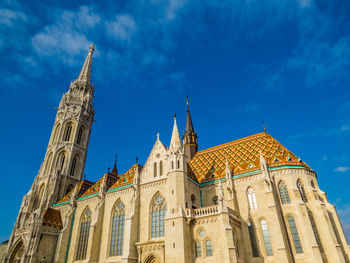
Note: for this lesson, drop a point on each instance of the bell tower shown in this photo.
(62, 167)
(67, 149)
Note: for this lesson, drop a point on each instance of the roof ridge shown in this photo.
(233, 142)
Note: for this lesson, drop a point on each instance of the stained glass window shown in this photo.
(117, 234)
(158, 214)
(267, 240)
(83, 235)
(208, 248)
(284, 193)
(295, 235)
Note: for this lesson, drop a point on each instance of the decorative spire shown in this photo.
(189, 124)
(190, 136)
(175, 141)
(115, 169)
(85, 73)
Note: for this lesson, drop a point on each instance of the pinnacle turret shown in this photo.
(175, 141)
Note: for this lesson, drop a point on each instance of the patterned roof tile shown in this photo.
(243, 156)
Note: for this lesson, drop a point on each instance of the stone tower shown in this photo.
(190, 137)
(62, 167)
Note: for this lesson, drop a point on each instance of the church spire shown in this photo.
(85, 73)
(190, 136)
(175, 141)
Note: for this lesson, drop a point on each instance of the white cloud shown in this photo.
(122, 27)
(342, 169)
(8, 17)
(67, 37)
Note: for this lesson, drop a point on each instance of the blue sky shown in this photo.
(241, 61)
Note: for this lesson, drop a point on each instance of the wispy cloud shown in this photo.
(122, 27)
(342, 169)
(8, 17)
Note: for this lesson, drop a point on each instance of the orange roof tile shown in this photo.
(82, 187)
(95, 188)
(52, 218)
(128, 177)
(243, 156)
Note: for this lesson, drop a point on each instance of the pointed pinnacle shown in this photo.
(85, 73)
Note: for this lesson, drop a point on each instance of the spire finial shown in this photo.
(175, 116)
(115, 170)
(85, 73)
(188, 109)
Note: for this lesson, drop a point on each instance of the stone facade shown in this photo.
(250, 200)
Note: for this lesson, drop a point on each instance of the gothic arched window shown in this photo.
(117, 234)
(84, 231)
(48, 164)
(73, 167)
(155, 170)
(158, 214)
(295, 235)
(161, 168)
(253, 241)
(267, 240)
(67, 132)
(60, 160)
(301, 189)
(284, 193)
(208, 248)
(252, 199)
(198, 249)
(39, 197)
(178, 164)
(80, 135)
(55, 134)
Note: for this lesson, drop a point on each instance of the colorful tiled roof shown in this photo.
(52, 218)
(128, 177)
(243, 156)
(95, 188)
(82, 187)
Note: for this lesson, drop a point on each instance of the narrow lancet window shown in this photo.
(208, 248)
(83, 235)
(198, 249)
(314, 229)
(74, 164)
(155, 170)
(67, 132)
(252, 199)
(284, 193)
(80, 135)
(161, 168)
(117, 234)
(267, 240)
(295, 235)
(253, 241)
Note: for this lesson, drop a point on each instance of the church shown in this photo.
(250, 200)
